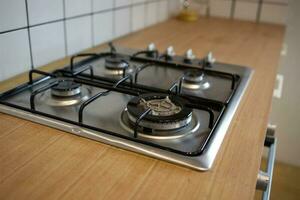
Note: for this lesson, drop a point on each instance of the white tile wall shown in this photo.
(44, 11)
(151, 13)
(99, 5)
(79, 34)
(162, 11)
(200, 7)
(14, 53)
(122, 22)
(173, 7)
(138, 1)
(220, 8)
(77, 7)
(91, 22)
(120, 3)
(47, 42)
(64, 27)
(103, 27)
(12, 14)
(278, 1)
(246, 10)
(274, 13)
(138, 17)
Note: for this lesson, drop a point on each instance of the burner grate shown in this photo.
(128, 84)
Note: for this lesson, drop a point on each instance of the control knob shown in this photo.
(170, 53)
(152, 50)
(189, 56)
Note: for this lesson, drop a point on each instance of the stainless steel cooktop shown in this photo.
(175, 108)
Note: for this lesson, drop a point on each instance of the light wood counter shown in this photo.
(37, 162)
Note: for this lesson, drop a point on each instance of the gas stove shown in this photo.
(175, 108)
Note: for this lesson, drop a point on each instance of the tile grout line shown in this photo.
(259, 10)
(113, 20)
(146, 13)
(65, 28)
(92, 24)
(131, 18)
(29, 35)
(232, 10)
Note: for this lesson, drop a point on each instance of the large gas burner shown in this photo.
(116, 65)
(166, 112)
(195, 80)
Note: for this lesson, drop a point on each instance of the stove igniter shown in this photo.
(167, 112)
(170, 53)
(189, 56)
(195, 80)
(66, 88)
(115, 65)
(210, 58)
(151, 47)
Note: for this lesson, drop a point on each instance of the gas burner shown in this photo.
(66, 88)
(167, 112)
(66, 93)
(194, 80)
(188, 130)
(116, 64)
(161, 107)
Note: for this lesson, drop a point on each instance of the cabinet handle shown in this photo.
(264, 179)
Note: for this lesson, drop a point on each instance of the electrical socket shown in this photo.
(284, 49)
(277, 93)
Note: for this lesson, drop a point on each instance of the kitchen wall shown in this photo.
(36, 32)
(286, 109)
(269, 11)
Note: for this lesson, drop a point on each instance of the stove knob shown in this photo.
(152, 51)
(210, 58)
(189, 56)
(151, 47)
(170, 53)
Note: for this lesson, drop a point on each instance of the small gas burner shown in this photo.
(116, 64)
(66, 93)
(167, 112)
(195, 80)
(66, 88)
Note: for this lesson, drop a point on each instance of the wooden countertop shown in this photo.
(37, 162)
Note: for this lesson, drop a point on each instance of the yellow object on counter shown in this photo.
(188, 15)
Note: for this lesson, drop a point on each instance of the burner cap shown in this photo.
(167, 112)
(66, 88)
(194, 76)
(195, 79)
(116, 62)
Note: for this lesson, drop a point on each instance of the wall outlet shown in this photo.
(277, 93)
(284, 49)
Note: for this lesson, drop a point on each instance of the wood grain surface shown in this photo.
(37, 162)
